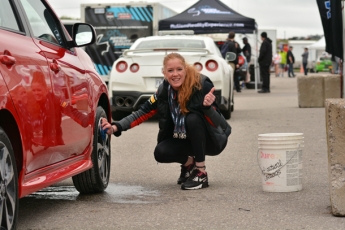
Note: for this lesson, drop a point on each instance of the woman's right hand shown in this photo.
(107, 126)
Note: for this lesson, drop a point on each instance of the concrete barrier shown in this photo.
(314, 89)
(332, 86)
(335, 128)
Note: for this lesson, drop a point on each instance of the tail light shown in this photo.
(220, 43)
(198, 66)
(211, 65)
(134, 68)
(121, 66)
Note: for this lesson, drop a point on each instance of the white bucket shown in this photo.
(280, 161)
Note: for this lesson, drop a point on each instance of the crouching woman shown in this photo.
(190, 126)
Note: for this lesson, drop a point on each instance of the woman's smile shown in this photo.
(175, 73)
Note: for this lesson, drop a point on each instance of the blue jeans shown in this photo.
(290, 70)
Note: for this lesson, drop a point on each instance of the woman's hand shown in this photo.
(209, 98)
(107, 126)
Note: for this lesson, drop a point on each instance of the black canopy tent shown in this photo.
(210, 17)
(207, 17)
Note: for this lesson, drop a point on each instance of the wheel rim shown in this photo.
(103, 158)
(7, 189)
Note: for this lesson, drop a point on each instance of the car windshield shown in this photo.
(171, 43)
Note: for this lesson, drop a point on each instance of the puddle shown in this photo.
(130, 194)
(56, 193)
(115, 193)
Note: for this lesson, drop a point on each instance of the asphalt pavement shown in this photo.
(144, 195)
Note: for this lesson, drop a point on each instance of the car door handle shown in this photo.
(54, 66)
(7, 60)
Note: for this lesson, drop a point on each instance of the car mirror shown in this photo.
(83, 34)
(230, 56)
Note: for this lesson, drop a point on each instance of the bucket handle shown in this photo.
(262, 171)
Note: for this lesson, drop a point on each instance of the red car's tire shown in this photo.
(9, 201)
(96, 179)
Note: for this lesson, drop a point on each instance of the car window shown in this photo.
(171, 43)
(69, 28)
(42, 22)
(7, 16)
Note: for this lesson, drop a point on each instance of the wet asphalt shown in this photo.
(143, 194)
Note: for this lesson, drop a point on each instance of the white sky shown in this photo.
(289, 17)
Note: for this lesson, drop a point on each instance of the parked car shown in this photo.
(323, 64)
(136, 75)
(51, 102)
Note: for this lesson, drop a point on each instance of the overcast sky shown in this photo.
(289, 17)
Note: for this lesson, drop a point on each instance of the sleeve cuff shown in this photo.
(119, 129)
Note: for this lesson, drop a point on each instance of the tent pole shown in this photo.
(255, 60)
(342, 62)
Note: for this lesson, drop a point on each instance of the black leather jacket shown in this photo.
(158, 103)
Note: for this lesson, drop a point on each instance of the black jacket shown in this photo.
(247, 51)
(265, 57)
(232, 48)
(290, 54)
(158, 103)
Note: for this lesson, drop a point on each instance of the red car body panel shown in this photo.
(52, 93)
(52, 174)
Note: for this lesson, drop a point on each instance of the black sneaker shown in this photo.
(185, 173)
(196, 180)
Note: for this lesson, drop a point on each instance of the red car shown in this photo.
(51, 102)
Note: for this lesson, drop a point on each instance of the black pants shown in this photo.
(237, 81)
(305, 68)
(197, 144)
(265, 75)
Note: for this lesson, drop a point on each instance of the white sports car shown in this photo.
(136, 75)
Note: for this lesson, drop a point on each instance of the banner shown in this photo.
(208, 17)
(332, 22)
(117, 29)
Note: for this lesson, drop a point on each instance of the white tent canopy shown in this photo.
(316, 50)
(319, 45)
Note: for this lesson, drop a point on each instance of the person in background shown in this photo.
(283, 56)
(305, 61)
(247, 49)
(335, 65)
(265, 61)
(234, 47)
(188, 112)
(247, 52)
(290, 62)
(276, 62)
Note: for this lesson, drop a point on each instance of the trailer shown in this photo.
(118, 25)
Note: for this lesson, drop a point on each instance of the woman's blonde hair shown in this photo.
(192, 81)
